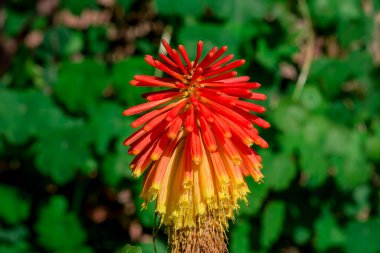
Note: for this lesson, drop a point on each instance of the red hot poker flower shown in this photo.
(194, 143)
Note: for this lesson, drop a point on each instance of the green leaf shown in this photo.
(285, 111)
(149, 248)
(97, 37)
(270, 57)
(361, 196)
(27, 113)
(2, 146)
(12, 111)
(41, 114)
(315, 130)
(290, 142)
(62, 41)
(328, 233)
(146, 216)
(131, 249)
(339, 113)
(373, 148)
(14, 239)
(241, 11)
(335, 73)
(255, 198)
(123, 72)
(78, 6)
(80, 85)
(324, 12)
(365, 66)
(58, 229)
(311, 97)
(279, 170)
(13, 208)
(126, 4)
(211, 35)
(106, 123)
(266, 56)
(301, 235)
(116, 167)
(61, 153)
(354, 31)
(352, 169)
(363, 237)
(314, 165)
(18, 247)
(14, 235)
(14, 22)
(337, 140)
(240, 237)
(272, 223)
(350, 10)
(40, 23)
(144, 45)
(180, 7)
(81, 249)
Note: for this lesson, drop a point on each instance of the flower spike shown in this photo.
(194, 143)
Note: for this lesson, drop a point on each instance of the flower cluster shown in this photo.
(194, 143)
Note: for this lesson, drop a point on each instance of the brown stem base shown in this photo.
(208, 237)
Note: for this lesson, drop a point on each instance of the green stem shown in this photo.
(167, 35)
(302, 78)
(155, 233)
(78, 197)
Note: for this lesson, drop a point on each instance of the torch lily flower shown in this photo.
(194, 144)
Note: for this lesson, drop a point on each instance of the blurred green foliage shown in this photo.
(65, 185)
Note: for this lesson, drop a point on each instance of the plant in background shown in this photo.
(195, 144)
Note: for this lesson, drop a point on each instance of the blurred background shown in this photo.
(65, 67)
